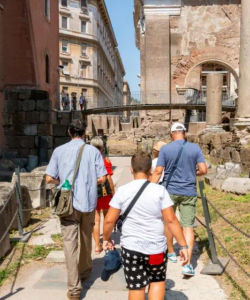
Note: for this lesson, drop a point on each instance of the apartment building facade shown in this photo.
(89, 58)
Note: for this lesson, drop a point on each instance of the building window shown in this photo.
(65, 67)
(64, 46)
(64, 3)
(84, 50)
(83, 70)
(83, 26)
(47, 68)
(64, 22)
(47, 9)
(74, 3)
(83, 3)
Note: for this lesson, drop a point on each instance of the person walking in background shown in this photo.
(67, 104)
(181, 161)
(156, 150)
(73, 102)
(105, 193)
(144, 247)
(82, 102)
(63, 101)
(91, 171)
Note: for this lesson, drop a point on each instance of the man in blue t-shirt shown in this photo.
(182, 185)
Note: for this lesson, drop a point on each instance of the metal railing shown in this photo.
(218, 265)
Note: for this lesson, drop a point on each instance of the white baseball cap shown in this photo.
(178, 127)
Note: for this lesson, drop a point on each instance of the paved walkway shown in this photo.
(47, 281)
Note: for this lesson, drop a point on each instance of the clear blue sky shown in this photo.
(121, 15)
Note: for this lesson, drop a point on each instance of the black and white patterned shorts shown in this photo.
(138, 272)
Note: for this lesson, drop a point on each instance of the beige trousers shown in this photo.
(77, 240)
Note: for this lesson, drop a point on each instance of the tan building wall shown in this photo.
(92, 63)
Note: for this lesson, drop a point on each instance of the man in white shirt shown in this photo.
(144, 246)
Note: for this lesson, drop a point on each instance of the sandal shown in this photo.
(98, 250)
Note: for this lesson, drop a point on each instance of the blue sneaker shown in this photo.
(172, 257)
(188, 270)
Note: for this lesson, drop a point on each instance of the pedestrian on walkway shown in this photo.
(91, 171)
(82, 102)
(105, 193)
(156, 150)
(181, 161)
(73, 102)
(144, 247)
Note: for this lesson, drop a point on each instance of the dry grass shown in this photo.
(237, 210)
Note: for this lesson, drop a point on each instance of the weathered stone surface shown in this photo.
(6, 165)
(44, 129)
(121, 147)
(32, 117)
(30, 129)
(35, 183)
(60, 130)
(42, 139)
(60, 141)
(44, 117)
(236, 185)
(43, 105)
(8, 203)
(26, 141)
(26, 105)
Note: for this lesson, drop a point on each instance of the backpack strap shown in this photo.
(175, 164)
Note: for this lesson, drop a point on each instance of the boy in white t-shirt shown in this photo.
(144, 246)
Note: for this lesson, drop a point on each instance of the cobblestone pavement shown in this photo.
(47, 281)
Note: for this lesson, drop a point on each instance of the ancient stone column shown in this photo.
(157, 58)
(243, 108)
(214, 101)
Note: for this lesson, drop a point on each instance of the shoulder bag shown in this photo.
(63, 199)
(122, 218)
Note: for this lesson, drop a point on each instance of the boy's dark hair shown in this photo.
(141, 162)
(77, 128)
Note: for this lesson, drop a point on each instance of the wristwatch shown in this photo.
(183, 247)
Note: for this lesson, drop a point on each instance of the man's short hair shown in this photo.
(77, 128)
(141, 162)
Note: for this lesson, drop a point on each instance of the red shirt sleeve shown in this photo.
(108, 166)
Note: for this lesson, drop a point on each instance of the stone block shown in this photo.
(60, 141)
(26, 105)
(30, 129)
(34, 181)
(24, 94)
(39, 95)
(23, 152)
(26, 141)
(226, 154)
(236, 185)
(121, 147)
(20, 117)
(236, 156)
(7, 119)
(44, 117)
(45, 129)
(7, 165)
(48, 140)
(10, 106)
(60, 130)
(43, 105)
(32, 117)
(11, 141)
(53, 117)
(65, 119)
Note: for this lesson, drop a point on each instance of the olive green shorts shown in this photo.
(187, 208)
